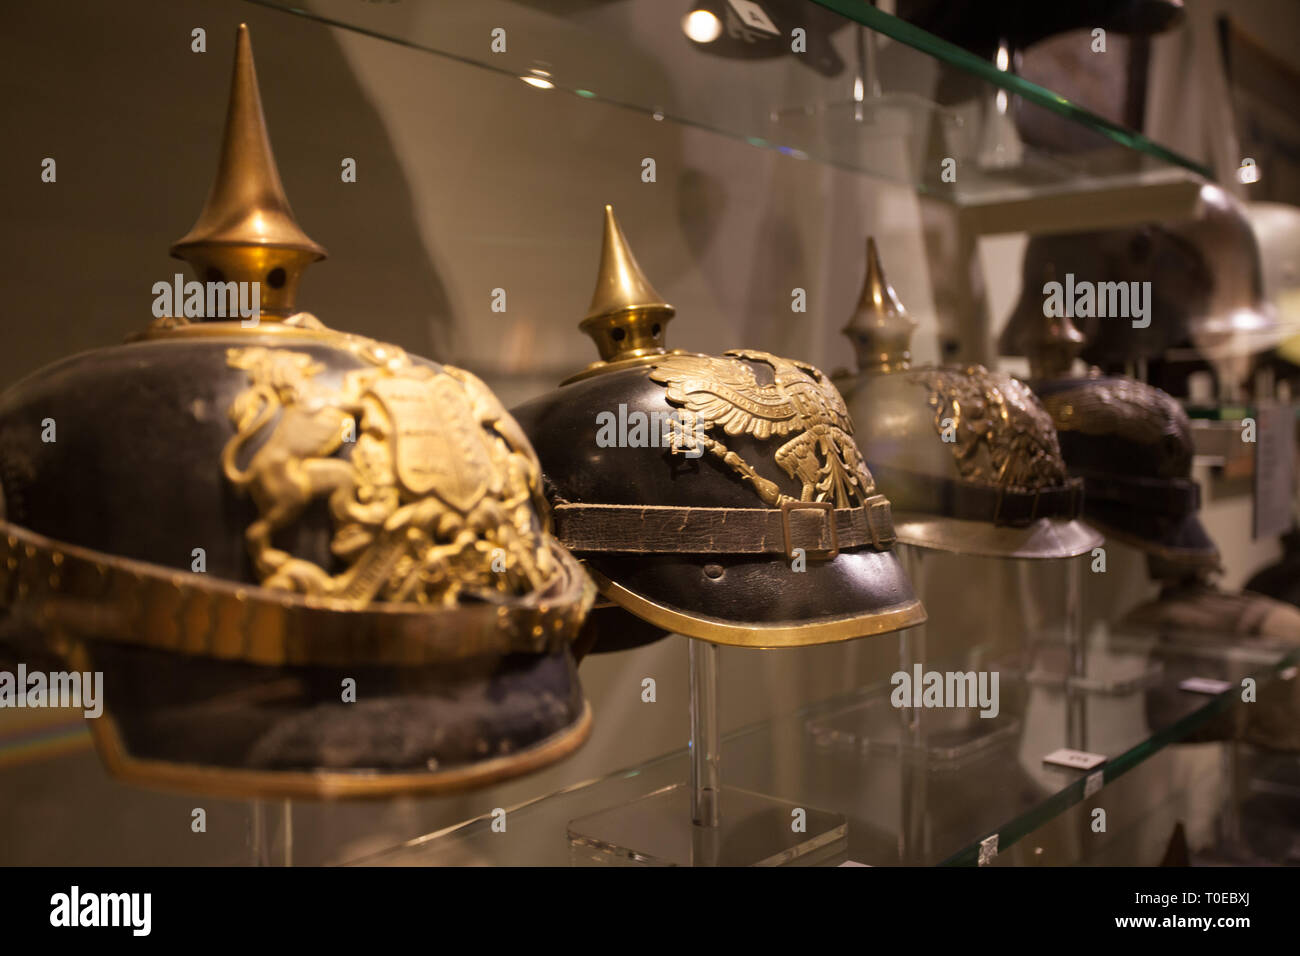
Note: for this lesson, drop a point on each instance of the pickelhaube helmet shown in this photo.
(1131, 444)
(967, 456)
(1206, 295)
(305, 562)
(720, 497)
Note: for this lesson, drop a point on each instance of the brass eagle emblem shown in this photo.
(437, 498)
(998, 431)
(723, 394)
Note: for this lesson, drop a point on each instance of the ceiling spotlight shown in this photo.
(702, 26)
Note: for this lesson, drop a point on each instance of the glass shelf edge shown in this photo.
(860, 11)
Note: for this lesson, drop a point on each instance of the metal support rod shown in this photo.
(1076, 731)
(706, 756)
(271, 833)
(913, 797)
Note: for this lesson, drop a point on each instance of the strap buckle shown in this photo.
(880, 523)
(826, 506)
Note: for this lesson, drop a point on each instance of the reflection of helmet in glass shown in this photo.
(1199, 613)
(307, 563)
(1205, 301)
(981, 27)
(718, 496)
(1132, 446)
(967, 456)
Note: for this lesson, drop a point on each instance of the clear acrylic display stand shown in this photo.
(270, 832)
(701, 822)
(942, 736)
(1066, 659)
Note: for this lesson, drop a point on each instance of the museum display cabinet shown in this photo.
(905, 570)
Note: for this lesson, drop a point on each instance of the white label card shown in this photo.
(1274, 470)
(1096, 780)
(988, 850)
(1205, 685)
(754, 17)
(1074, 759)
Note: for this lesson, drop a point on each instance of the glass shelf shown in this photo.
(873, 94)
(913, 805)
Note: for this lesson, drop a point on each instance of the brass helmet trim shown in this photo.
(81, 592)
(327, 785)
(905, 614)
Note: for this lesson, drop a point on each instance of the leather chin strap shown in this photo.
(817, 528)
(930, 494)
(1174, 497)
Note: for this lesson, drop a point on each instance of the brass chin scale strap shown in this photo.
(58, 587)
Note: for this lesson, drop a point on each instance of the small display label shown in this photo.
(1074, 759)
(1274, 469)
(1095, 782)
(988, 850)
(1205, 685)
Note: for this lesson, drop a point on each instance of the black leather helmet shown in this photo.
(720, 497)
(1131, 444)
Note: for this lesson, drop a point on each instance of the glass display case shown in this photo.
(750, 149)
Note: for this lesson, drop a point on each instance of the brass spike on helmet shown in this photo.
(627, 316)
(880, 328)
(1053, 343)
(246, 231)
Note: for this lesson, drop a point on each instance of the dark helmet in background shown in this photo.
(1131, 444)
